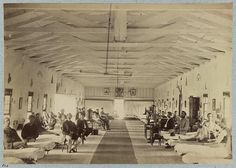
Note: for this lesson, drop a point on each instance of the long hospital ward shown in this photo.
(117, 83)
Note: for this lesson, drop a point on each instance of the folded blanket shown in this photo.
(26, 153)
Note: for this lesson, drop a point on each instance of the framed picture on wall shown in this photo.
(119, 92)
(132, 92)
(20, 103)
(106, 91)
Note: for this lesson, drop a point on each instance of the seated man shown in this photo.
(45, 118)
(170, 124)
(30, 131)
(39, 122)
(61, 116)
(11, 138)
(52, 121)
(176, 118)
(183, 124)
(78, 112)
(163, 120)
(70, 133)
(155, 133)
(97, 120)
(41, 127)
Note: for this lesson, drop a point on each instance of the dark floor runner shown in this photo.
(115, 146)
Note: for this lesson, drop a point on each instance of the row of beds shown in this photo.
(193, 152)
(34, 150)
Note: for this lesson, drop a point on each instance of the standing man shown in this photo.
(105, 119)
(82, 127)
(70, 133)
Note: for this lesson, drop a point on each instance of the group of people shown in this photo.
(37, 124)
(101, 118)
(29, 133)
(170, 122)
(73, 132)
(206, 130)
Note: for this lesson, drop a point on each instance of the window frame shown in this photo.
(30, 97)
(8, 93)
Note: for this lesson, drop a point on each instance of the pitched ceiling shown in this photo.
(148, 44)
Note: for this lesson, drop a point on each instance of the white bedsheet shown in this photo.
(200, 149)
(166, 135)
(12, 160)
(47, 146)
(46, 141)
(205, 159)
(26, 153)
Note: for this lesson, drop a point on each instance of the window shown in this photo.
(30, 102)
(7, 101)
(45, 97)
(20, 103)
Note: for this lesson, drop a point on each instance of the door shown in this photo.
(119, 108)
(194, 103)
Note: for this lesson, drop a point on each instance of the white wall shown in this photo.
(136, 108)
(66, 102)
(22, 72)
(215, 78)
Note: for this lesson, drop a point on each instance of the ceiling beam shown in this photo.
(120, 26)
(220, 46)
(130, 31)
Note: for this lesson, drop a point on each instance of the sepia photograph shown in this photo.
(115, 83)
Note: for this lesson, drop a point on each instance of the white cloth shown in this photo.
(205, 159)
(26, 153)
(204, 150)
(12, 160)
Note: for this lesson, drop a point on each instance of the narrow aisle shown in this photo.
(144, 152)
(115, 146)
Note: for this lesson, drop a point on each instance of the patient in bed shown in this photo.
(30, 131)
(209, 131)
(11, 138)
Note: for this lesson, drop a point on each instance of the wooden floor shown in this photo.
(125, 143)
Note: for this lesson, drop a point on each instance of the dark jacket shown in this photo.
(29, 131)
(10, 135)
(69, 128)
(170, 124)
(82, 124)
